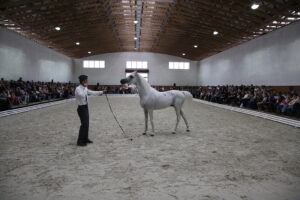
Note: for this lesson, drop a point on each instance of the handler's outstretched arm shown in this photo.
(91, 92)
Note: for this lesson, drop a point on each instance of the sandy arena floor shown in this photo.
(227, 155)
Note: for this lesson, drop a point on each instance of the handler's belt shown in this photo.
(83, 105)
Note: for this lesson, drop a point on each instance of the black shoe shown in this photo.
(81, 144)
(89, 141)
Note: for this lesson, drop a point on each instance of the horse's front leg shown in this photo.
(146, 121)
(151, 120)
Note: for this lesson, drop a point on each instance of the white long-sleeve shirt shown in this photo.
(81, 94)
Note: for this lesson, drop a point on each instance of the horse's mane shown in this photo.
(143, 80)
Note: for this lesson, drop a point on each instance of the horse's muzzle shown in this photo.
(123, 81)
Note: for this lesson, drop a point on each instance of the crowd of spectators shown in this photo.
(262, 98)
(17, 93)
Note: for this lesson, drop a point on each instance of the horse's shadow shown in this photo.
(169, 134)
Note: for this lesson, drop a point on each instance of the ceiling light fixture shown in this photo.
(195, 46)
(135, 21)
(254, 6)
(183, 54)
(135, 38)
(77, 43)
(89, 52)
(57, 28)
(215, 32)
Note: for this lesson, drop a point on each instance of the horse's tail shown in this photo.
(187, 95)
(188, 99)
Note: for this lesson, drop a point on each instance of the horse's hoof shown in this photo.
(151, 135)
(174, 132)
(144, 133)
(188, 130)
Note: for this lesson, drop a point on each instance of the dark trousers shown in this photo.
(83, 112)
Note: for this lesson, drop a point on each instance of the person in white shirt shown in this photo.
(81, 95)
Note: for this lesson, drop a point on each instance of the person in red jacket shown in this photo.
(284, 103)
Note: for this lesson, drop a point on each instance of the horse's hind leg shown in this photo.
(146, 121)
(177, 110)
(151, 120)
(185, 120)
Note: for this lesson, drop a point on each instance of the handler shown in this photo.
(81, 95)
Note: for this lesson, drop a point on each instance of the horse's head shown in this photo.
(130, 79)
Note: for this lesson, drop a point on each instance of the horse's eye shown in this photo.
(131, 76)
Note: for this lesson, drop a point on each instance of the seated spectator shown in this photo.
(262, 101)
(295, 99)
(245, 99)
(254, 98)
(282, 106)
(13, 99)
(232, 98)
(4, 102)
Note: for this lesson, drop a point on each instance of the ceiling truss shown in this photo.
(163, 26)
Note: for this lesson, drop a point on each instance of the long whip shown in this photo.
(109, 105)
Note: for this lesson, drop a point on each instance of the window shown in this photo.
(179, 65)
(145, 75)
(93, 64)
(136, 65)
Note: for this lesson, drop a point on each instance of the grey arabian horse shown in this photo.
(151, 99)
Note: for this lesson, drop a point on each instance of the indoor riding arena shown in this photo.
(150, 100)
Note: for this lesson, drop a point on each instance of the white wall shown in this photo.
(158, 65)
(272, 59)
(21, 57)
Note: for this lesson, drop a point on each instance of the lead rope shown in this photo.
(123, 132)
